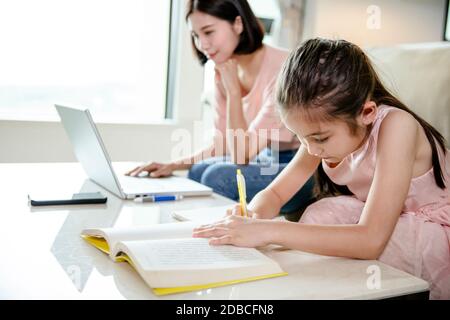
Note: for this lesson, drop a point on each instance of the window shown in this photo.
(447, 23)
(269, 14)
(110, 56)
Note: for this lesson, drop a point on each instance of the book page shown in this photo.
(192, 253)
(181, 262)
(202, 215)
(158, 231)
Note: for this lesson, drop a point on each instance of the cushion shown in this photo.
(419, 75)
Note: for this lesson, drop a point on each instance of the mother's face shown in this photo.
(215, 38)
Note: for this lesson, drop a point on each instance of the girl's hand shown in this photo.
(228, 75)
(154, 170)
(236, 211)
(236, 230)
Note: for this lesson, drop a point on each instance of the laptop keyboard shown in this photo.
(172, 184)
(142, 184)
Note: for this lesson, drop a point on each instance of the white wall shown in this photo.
(35, 141)
(401, 21)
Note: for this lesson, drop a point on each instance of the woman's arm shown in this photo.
(236, 134)
(215, 149)
(243, 145)
(156, 169)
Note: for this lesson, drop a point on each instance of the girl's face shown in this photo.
(215, 38)
(330, 140)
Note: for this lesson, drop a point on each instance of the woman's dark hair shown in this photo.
(333, 79)
(253, 33)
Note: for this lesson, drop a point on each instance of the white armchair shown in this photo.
(419, 74)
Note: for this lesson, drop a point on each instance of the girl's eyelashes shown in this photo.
(321, 140)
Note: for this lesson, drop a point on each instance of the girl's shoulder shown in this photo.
(390, 122)
(398, 130)
(394, 118)
(401, 126)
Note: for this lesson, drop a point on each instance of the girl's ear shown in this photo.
(369, 113)
(238, 26)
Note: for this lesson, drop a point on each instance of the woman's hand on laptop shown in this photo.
(153, 169)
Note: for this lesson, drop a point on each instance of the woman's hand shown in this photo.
(227, 73)
(236, 230)
(153, 169)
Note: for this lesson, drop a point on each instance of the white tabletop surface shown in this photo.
(43, 256)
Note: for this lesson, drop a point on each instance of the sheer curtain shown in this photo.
(288, 32)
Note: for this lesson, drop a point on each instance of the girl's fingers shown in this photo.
(220, 223)
(226, 239)
(236, 211)
(232, 211)
(208, 233)
(203, 226)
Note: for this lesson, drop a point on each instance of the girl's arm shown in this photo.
(393, 173)
(268, 202)
(366, 240)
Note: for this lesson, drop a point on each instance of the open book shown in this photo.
(171, 261)
(202, 215)
(206, 215)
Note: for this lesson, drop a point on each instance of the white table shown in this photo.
(43, 256)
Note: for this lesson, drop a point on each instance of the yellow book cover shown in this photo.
(170, 261)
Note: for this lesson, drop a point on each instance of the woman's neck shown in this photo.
(250, 64)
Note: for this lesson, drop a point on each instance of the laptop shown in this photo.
(91, 153)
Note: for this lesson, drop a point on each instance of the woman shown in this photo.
(249, 132)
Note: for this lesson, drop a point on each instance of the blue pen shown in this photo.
(159, 198)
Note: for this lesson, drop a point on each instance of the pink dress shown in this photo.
(420, 243)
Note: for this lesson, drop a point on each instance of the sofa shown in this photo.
(418, 74)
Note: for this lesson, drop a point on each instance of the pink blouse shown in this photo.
(259, 105)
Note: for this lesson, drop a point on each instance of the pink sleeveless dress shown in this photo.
(420, 243)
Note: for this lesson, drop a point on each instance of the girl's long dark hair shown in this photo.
(335, 78)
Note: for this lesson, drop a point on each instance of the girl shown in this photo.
(228, 33)
(386, 169)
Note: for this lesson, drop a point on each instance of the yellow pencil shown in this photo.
(242, 192)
